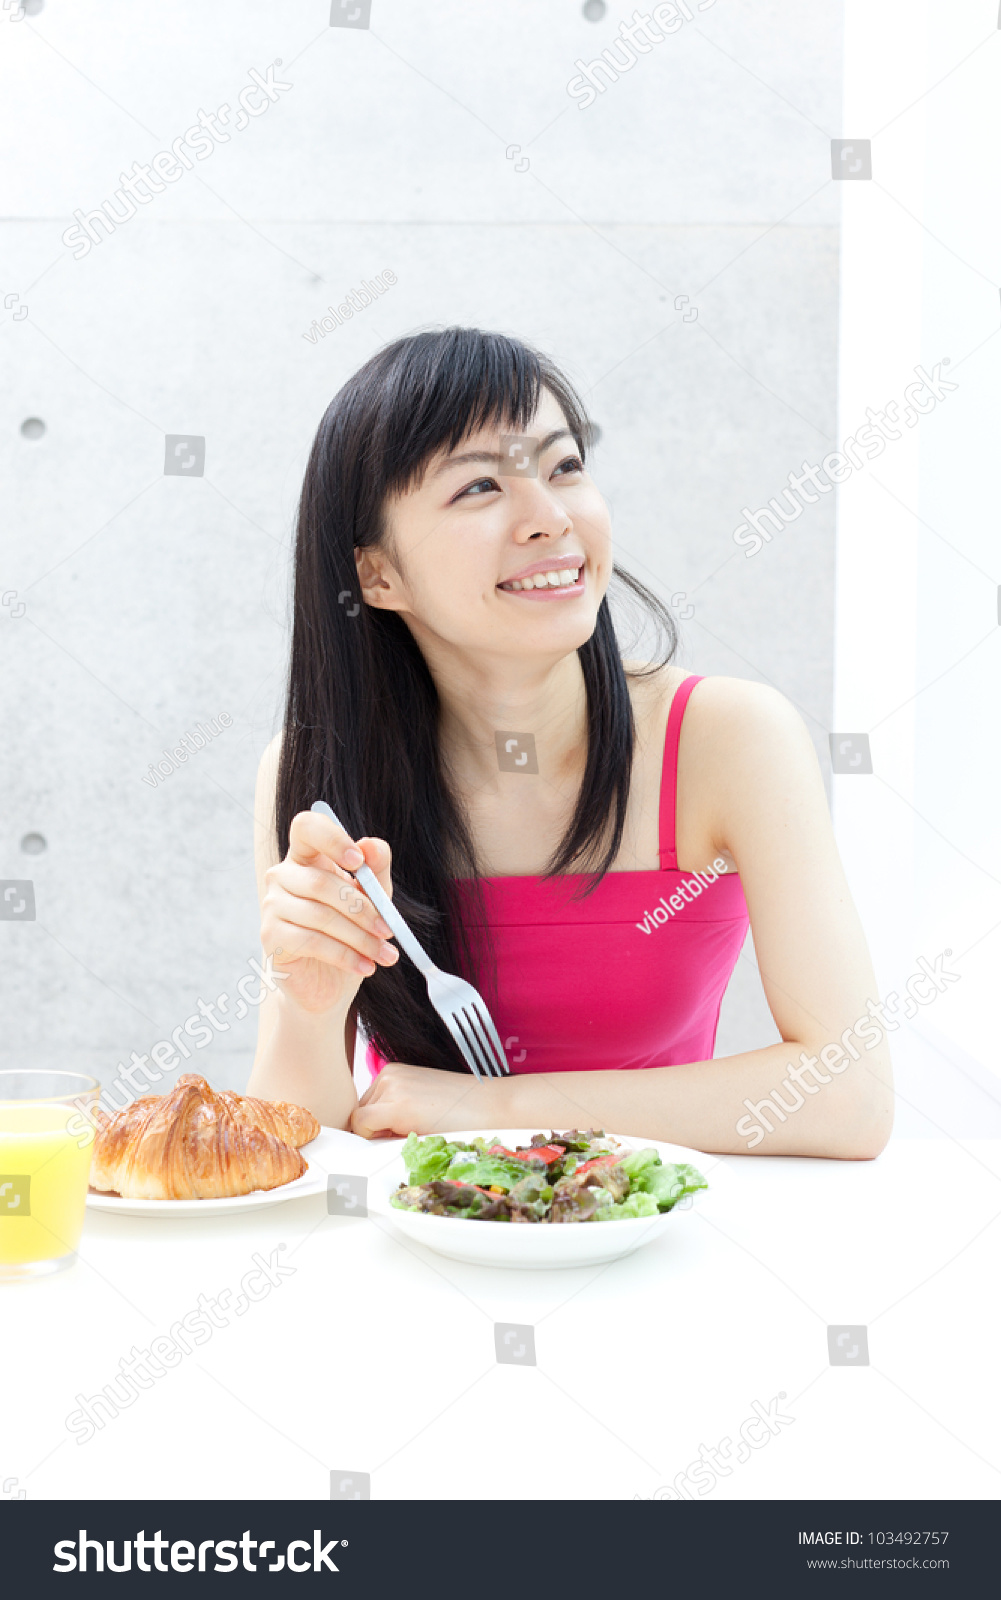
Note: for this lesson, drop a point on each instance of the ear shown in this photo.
(378, 580)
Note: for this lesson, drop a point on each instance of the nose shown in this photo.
(539, 515)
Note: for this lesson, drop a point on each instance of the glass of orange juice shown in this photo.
(46, 1137)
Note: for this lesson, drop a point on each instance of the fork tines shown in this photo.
(477, 1038)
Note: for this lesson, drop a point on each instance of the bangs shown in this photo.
(438, 388)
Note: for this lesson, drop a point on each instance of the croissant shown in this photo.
(195, 1144)
(291, 1124)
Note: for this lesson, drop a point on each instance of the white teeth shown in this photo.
(560, 578)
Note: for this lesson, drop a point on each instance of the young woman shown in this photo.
(538, 808)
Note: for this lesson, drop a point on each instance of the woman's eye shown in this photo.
(482, 486)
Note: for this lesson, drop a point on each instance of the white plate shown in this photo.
(489, 1244)
(317, 1154)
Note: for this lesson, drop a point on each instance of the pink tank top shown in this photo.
(632, 976)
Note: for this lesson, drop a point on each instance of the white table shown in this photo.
(375, 1357)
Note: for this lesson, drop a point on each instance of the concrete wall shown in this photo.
(440, 142)
(917, 657)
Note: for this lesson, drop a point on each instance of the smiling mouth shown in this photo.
(559, 578)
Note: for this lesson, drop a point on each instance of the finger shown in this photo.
(302, 944)
(293, 943)
(314, 917)
(314, 835)
(377, 1122)
(336, 889)
(379, 857)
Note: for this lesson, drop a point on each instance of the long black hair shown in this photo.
(361, 717)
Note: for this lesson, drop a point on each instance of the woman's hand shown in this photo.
(406, 1100)
(325, 933)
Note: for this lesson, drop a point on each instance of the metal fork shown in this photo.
(460, 1006)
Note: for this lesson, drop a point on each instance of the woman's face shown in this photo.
(505, 546)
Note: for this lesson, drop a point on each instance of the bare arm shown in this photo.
(770, 817)
(327, 938)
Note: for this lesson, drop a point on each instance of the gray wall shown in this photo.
(152, 603)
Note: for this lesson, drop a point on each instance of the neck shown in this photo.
(547, 701)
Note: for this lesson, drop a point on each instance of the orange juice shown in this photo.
(43, 1181)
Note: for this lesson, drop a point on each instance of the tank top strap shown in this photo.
(669, 775)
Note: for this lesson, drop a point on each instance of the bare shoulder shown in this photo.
(748, 764)
(269, 760)
(742, 713)
(267, 781)
(739, 732)
(722, 712)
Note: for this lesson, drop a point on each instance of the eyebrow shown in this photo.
(493, 456)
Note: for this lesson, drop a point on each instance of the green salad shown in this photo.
(558, 1177)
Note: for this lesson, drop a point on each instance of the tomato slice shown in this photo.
(598, 1161)
(548, 1152)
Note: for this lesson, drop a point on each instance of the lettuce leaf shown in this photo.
(637, 1162)
(669, 1183)
(662, 1183)
(532, 1197)
(491, 1172)
(636, 1204)
(575, 1139)
(427, 1158)
(691, 1177)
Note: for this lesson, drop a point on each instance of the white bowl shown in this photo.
(505, 1244)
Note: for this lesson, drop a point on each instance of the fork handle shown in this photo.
(380, 899)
